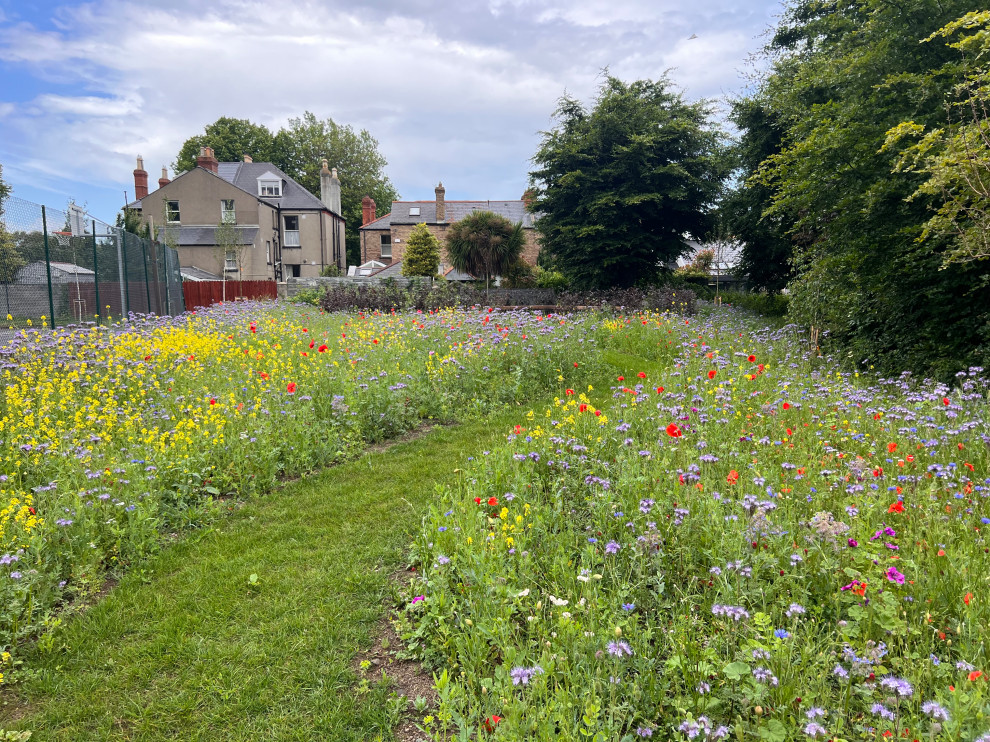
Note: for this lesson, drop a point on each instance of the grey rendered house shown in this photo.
(282, 230)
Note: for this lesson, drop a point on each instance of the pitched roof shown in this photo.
(192, 273)
(514, 211)
(245, 176)
(205, 236)
(389, 271)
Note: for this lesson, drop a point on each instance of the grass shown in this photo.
(188, 648)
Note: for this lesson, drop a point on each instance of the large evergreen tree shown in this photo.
(422, 255)
(622, 184)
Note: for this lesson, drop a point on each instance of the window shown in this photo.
(172, 212)
(269, 188)
(230, 261)
(386, 245)
(268, 251)
(291, 231)
(227, 213)
(413, 211)
(294, 270)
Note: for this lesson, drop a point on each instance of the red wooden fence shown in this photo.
(205, 293)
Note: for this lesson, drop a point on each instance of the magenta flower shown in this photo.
(853, 543)
(423, 597)
(893, 575)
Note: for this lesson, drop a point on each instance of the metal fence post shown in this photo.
(168, 281)
(127, 278)
(48, 266)
(147, 283)
(96, 283)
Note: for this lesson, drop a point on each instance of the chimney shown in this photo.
(140, 180)
(527, 198)
(367, 210)
(441, 205)
(330, 188)
(248, 158)
(206, 160)
(163, 181)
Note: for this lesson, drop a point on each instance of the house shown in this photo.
(280, 228)
(383, 238)
(37, 273)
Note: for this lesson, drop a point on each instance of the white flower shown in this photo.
(565, 614)
(523, 594)
(558, 601)
(583, 578)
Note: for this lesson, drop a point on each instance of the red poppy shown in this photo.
(641, 374)
(264, 375)
(212, 401)
(941, 552)
(975, 675)
(583, 408)
(790, 432)
(519, 429)
(673, 431)
(493, 501)
(711, 374)
(32, 511)
(291, 388)
(575, 364)
(733, 477)
(897, 507)
(751, 359)
(491, 722)
(967, 597)
(659, 390)
(945, 401)
(568, 392)
(598, 413)
(786, 405)
(968, 466)
(322, 349)
(312, 344)
(891, 447)
(477, 501)
(622, 378)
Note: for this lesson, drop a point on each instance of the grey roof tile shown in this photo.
(514, 211)
(245, 176)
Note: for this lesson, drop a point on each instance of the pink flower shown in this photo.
(423, 597)
(893, 575)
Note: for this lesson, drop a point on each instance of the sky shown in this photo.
(453, 91)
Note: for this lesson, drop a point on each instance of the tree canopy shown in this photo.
(298, 150)
(484, 244)
(622, 184)
(422, 254)
(840, 76)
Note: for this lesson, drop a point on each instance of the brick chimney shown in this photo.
(367, 210)
(527, 198)
(164, 181)
(206, 160)
(330, 188)
(248, 158)
(140, 180)
(441, 204)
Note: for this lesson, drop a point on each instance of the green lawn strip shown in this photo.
(198, 653)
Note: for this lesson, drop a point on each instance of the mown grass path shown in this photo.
(192, 651)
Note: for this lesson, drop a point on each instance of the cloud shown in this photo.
(451, 91)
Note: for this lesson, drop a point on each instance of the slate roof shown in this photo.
(514, 211)
(192, 273)
(244, 175)
(206, 236)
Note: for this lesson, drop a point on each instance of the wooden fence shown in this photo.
(205, 293)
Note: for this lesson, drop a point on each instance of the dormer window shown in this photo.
(270, 185)
(413, 211)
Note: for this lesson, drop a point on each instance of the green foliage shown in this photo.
(130, 221)
(331, 271)
(519, 275)
(956, 156)
(766, 247)
(4, 190)
(700, 267)
(555, 280)
(11, 259)
(230, 140)
(619, 185)
(768, 305)
(484, 244)
(298, 150)
(422, 254)
(842, 76)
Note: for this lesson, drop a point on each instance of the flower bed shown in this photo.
(741, 542)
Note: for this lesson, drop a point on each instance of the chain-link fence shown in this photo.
(59, 268)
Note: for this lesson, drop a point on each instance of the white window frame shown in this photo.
(270, 188)
(230, 261)
(172, 216)
(413, 211)
(291, 235)
(385, 245)
(228, 215)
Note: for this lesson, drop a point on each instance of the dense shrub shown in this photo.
(769, 305)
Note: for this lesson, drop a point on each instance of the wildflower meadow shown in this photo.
(742, 541)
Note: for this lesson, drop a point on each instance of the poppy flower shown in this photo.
(711, 374)
(941, 552)
(291, 387)
(786, 405)
(32, 511)
(491, 722)
(659, 390)
(673, 431)
(641, 374)
(622, 378)
(967, 597)
(751, 359)
(322, 349)
(477, 501)
(212, 401)
(493, 501)
(312, 344)
(568, 392)
(264, 375)
(733, 477)
(575, 364)
(891, 447)
(945, 401)
(975, 675)
(896, 507)
(583, 408)
(598, 413)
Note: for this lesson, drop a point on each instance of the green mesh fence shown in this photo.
(59, 268)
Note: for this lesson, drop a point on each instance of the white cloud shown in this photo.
(454, 93)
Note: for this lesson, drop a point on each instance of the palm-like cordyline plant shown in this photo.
(484, 244)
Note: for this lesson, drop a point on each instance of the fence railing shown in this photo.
(207, 293)
(59, 268)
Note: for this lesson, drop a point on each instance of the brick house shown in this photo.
(283, 230)
(384, 238)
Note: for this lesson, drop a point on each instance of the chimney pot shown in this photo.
(248, 158)
(140, 180)
(206, 160)
(164, 181)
